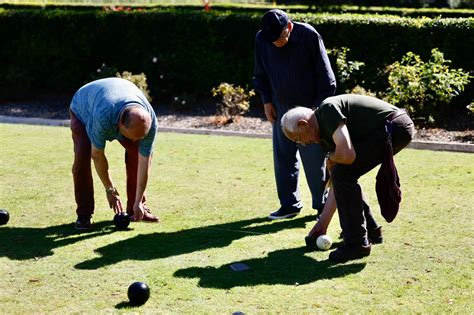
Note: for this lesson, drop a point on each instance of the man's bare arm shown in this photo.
(344, 152)
(102, 168)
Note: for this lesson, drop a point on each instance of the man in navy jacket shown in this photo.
(292, 68)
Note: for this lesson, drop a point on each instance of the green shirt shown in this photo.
(362, 114)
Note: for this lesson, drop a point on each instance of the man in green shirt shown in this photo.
(353, 130)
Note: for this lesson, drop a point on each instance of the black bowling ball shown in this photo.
(121, 221)
(4, 216)
(138, 293)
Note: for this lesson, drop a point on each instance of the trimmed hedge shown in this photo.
(391, 3)
(339, 9)
(59, 50)
(406, 12)
(259, 8)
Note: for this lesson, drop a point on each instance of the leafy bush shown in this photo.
(349, 73)
(346, 71)
(425, 89)
(362, 91)
(235, 100)
(139, 80)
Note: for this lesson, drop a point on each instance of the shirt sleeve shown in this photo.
(326, 80)
(331, 116)
(260, 79)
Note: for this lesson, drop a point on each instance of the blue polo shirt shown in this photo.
(99, 104)
(298, 73)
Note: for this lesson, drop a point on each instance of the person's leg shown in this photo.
(374, 230)
(348, 195)
(286, 166)
(369, 217)
(352, 208)
(82, 171)
(312, 158)
(131, 165)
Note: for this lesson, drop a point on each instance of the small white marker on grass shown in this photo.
(239, 267)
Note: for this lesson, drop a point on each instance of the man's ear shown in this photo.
(290, 26)
(302, 123)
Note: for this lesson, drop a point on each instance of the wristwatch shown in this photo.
(112, 191)
(328, 156)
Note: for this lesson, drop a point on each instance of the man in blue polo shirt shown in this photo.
(292, 68)
(105, 110)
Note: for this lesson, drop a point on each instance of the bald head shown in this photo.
(135, 123)
(293, 118)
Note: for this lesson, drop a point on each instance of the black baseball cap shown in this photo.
(273, 23)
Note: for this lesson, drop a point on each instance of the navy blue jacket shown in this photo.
(298, 73)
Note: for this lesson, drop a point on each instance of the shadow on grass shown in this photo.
(21, 243)
(125, 305)
(287, 267)
(162, 245)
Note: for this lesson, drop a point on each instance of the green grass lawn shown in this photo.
(213, 195)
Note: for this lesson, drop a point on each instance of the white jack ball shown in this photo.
(324, 242)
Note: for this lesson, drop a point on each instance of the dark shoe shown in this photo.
(349, 252)
(284, 213)
(375, 235)
(83, 222)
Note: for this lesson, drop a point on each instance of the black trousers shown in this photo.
(355, 215)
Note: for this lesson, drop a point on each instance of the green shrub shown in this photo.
(394, 3)
(235, 100)
(347, 71)
(362, 91)
(139, 80)
(425, 89)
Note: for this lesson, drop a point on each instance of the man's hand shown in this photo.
(270, 112)
(114, 201)
(102, 168)
(325, 218)
(317, 230)
(139, 211)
